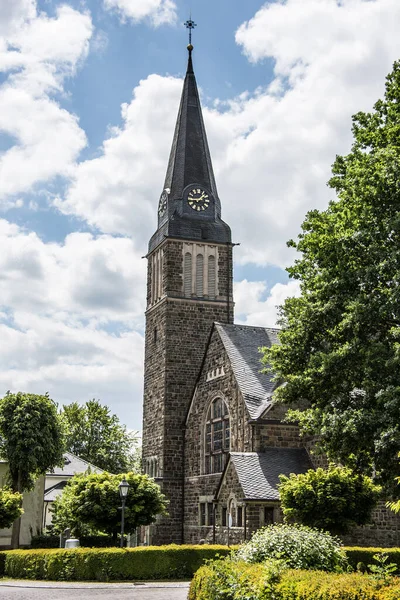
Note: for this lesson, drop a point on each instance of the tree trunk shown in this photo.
(16, 528)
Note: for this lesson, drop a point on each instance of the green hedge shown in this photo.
(108, 564)
(357, 555)
(238, 580)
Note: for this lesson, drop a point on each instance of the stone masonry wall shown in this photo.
(197, 484)
(172, 363)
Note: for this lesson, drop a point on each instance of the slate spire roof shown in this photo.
(190, 165)
(190, 159)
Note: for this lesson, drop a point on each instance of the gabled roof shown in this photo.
(53, 492)
(72, 465)
(258, 472)
(242, 343)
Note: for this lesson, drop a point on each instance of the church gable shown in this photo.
(216, 383)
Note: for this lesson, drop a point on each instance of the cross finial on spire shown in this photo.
(190, 24)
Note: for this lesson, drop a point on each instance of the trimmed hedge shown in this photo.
(109, 564)
(362, 555)
(238, 580)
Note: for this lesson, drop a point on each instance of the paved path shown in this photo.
(45, 590)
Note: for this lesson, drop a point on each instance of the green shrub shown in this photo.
(299, 546)
(110, 564)
(365, 556)
(230, 580)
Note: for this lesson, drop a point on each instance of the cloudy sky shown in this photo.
(89, 93)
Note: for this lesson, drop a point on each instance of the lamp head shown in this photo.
(123, 488)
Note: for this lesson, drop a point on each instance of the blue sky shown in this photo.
(89, 93)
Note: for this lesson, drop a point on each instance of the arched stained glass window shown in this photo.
(217, 437)
(211, 277)
(199, 275)
(187, 275)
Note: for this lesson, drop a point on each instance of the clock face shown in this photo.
(162, 205)
(198, 199)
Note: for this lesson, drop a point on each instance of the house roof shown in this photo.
(242, 343)
(72, 465)
(258, 472)
(53, 492)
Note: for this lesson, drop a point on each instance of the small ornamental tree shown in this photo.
(31, 441)
(91, 504)
(10, 507)
(333, 500)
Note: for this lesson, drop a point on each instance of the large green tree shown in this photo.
(96, 435)
(333, 499)
(90, 504)
(340, 340)
(31, 440)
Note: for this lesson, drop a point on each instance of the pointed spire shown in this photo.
(190, 159)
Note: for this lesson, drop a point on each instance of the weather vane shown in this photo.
(190, 24)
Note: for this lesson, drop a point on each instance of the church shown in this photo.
(212, 437)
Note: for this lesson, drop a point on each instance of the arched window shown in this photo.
(187, 275)
(199, 275)
(217, 437)
(211, 277)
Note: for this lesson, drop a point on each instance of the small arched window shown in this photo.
(187, 275)
(217, 437)
(211, 277)
(199, 275)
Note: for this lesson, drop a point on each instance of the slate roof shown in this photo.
(242, 343)
(73, 464)
(53, 492)
(190, 163)
(258, 472)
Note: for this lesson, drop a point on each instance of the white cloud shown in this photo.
(159, 12)
(272, 149)
(73, 328)
(252, 309)
(118, 191)
(37, 56)
(73, 362)
(85, 277)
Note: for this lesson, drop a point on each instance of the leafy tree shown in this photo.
(94, 434)
(90, 504)
(333, 500)
(340, 342)
(10, 507)
(31, 440)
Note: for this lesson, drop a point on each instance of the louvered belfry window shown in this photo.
(199, 275)
(211, 277)
(217, 437)
(187, 274)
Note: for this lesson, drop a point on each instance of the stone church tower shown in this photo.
(189, 287)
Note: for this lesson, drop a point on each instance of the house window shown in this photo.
(206, 513)
(199, 275)
(217, 437)
(240, 516)
(187, 275)
(210, 513)
(203, 513)
(211, 277)
(268, 515)
(224, 516)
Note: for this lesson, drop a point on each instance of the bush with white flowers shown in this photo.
(298, 546)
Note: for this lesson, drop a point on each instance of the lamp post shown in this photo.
(123, 492)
